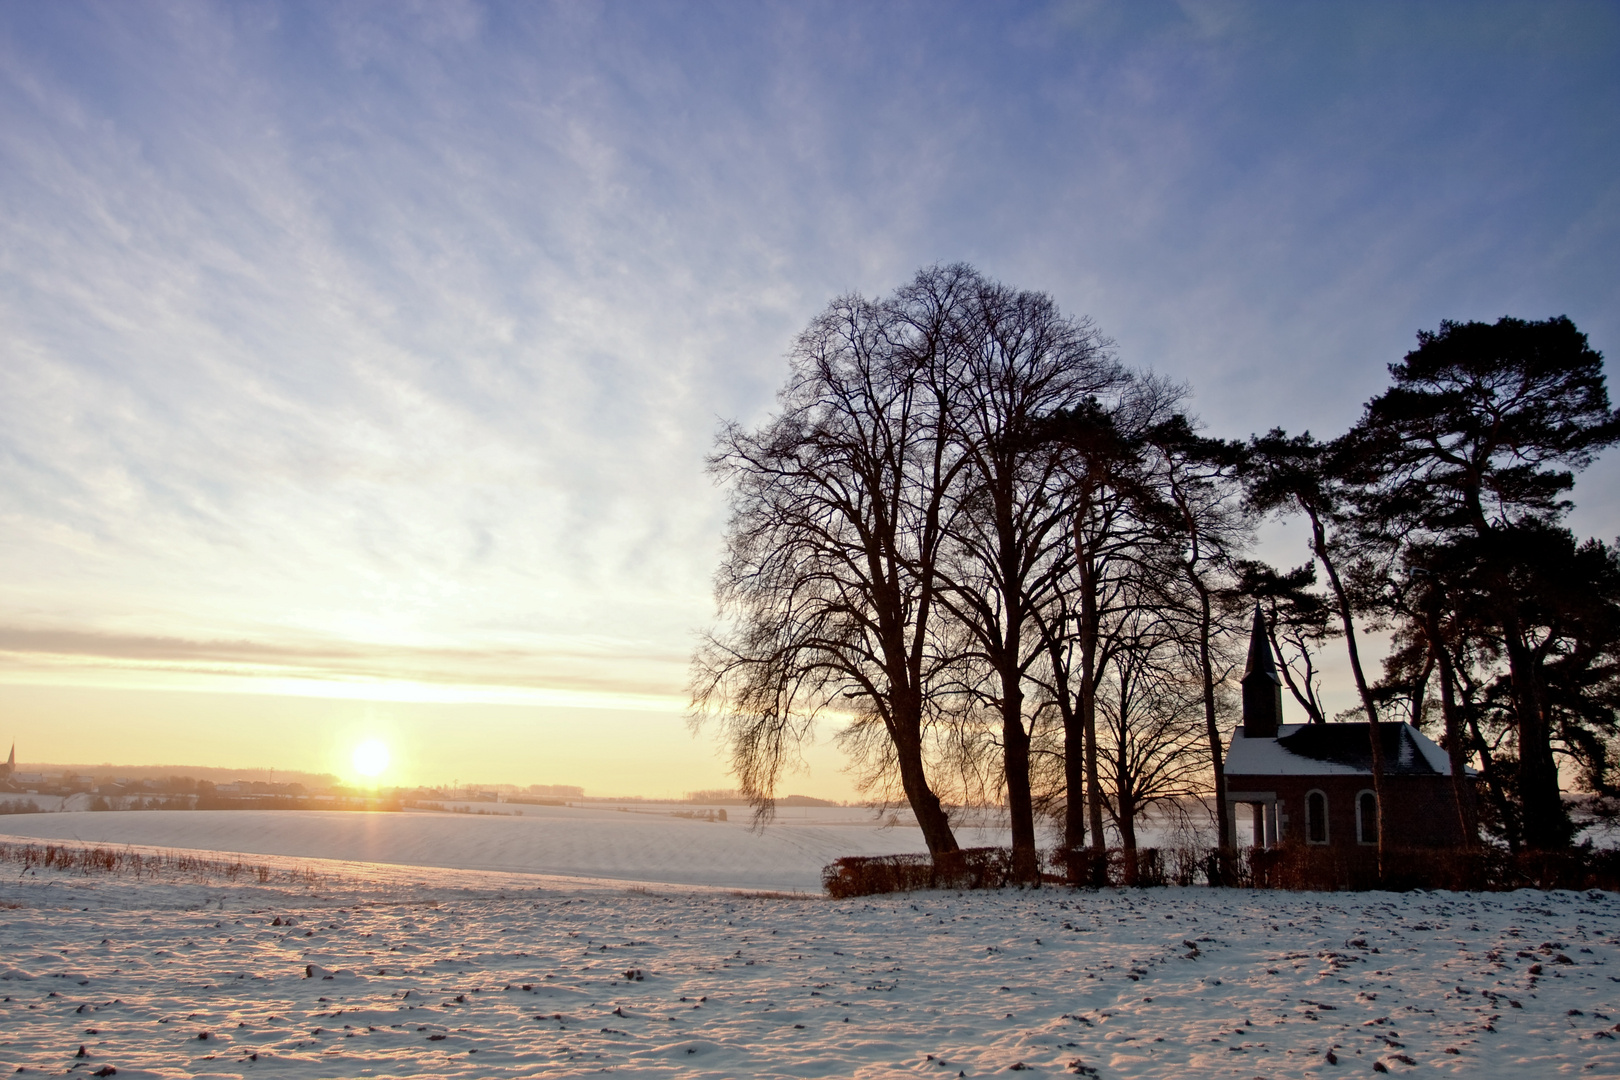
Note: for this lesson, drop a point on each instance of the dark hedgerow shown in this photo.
(1488, 869)
(970, 868)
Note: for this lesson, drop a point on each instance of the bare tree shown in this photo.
(1105, 486)
(828, 591)
(945, 536)
(1204, 532)
(1151, 712)
(1018, 360)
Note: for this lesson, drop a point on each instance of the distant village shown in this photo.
(35, 789)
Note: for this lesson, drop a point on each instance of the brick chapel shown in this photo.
(1312, 784)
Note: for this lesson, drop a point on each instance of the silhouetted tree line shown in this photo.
(1023, 574)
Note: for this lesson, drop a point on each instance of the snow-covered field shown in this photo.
(393, 970)
(644, 842)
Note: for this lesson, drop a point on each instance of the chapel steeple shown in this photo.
(1262, 688)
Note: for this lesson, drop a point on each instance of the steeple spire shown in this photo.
(1262, 687)
(1260, 658)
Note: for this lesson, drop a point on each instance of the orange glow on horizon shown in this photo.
(371, 759)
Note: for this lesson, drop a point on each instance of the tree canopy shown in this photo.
(1015, 571)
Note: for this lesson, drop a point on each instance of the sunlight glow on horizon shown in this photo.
(370, 758)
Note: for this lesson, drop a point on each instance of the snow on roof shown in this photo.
(1335, 750)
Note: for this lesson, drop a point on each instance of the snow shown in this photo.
(640, 842)
(348, 960)
(1436, 757)
(1268, 757)
(397, 971)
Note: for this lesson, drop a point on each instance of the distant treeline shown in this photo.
(100, 803)
(106, 773)
(155, 787)
(733, 797)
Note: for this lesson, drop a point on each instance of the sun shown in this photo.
(370, 758)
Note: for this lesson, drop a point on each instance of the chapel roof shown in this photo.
(1336, 749)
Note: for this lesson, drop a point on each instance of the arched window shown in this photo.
(1366, 818)
(1316, 817)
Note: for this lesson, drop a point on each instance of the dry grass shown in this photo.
(126, 862)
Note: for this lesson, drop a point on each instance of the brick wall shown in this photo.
(1422, 810)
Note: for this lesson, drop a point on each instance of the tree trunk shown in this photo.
(1015, 750)
(1074, 764)
(1544, 821)
(1074, 779)
(1546, 824)
(1420, 690)
(1126, 818)
(1461, 793)
(931, 817)
(1490, 773)
(1374, 733)
(1088, 689)
(1440, 658)
(1212, 728)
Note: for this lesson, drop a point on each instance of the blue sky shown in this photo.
(359, 360)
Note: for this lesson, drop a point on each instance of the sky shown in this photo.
(358, 361)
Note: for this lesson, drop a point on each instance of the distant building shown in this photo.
(1312, 784)
(556, 791)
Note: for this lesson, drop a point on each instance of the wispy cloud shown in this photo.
(576, 671)
(356, 339)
